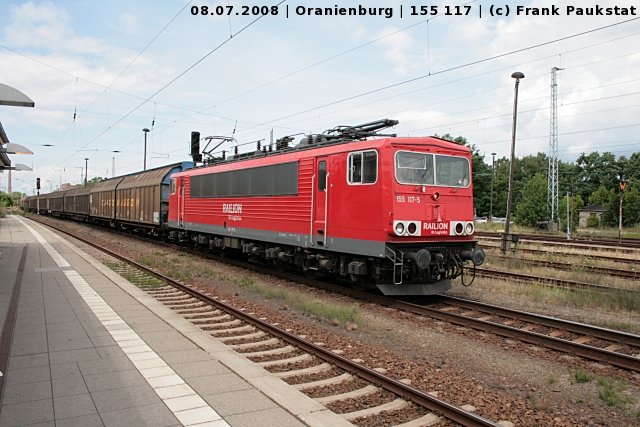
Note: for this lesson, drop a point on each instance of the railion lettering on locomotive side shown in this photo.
(232, 208)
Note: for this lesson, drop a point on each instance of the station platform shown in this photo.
(81, 346)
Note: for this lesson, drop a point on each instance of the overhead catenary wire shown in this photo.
(166, 85)
(443, 71)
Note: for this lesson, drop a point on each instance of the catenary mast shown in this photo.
(552, 175)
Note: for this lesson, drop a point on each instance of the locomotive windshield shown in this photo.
(418, 168)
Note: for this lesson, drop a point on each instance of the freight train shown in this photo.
(378, 211)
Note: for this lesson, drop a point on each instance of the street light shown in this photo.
(493, 175)
(145, 130)
(86, 169)
(517, 75)
(113, 164)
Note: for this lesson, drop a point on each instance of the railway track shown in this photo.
(306, 365)
(550, 281)
(617, 348)
(623, 243)
(620, 260)
(608, 346)
(570, 244)
(628, 274)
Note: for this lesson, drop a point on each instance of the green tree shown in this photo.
(602, 196)
(94, 181)
(595, 170)
(532, 207)
(6, 200)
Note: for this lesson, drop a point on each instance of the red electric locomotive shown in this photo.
(390, 212)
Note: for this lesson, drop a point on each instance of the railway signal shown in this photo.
(622, 182)
(195, 147)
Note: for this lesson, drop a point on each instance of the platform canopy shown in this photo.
(13, 97)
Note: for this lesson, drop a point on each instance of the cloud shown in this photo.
(401, 50)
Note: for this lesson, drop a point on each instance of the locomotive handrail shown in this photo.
(313, 192)
(326, 206)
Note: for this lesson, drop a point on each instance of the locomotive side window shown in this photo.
(271, 180)
(414, 168)
(452, 171)
(172, 186)
(363, 167)
(322, 176)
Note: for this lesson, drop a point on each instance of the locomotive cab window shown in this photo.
(363, 167)
(418, 168)
(172, 186)
(414, 168)
(452, 171)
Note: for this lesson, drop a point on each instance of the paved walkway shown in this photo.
(91, 349)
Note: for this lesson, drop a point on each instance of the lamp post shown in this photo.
(505, 245)
(493, 175)
(86, 168)
(113, 164)
(145, 130)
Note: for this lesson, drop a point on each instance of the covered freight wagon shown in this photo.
(76, 203)
(143, 198)
(102, 197)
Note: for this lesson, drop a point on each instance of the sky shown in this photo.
(99, 72)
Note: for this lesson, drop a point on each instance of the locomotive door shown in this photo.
(320, 202)
(180, 193)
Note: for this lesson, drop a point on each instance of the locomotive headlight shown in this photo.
(399, 229)
(435, 196)
(412, 228)
(468, 229)
(459, 228)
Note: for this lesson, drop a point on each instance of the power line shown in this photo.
(431, 104)
(446, 70)
(215, 49)
(330, 58)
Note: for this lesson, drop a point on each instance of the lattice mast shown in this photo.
(552, 175)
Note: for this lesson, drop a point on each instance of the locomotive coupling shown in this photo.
(476, 255)
(422, 258)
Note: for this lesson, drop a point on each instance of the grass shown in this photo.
(615, 300)
(610, 301)
(137, 277)
(581, 376)
(180, 267)
(611, 392)
(338, 314)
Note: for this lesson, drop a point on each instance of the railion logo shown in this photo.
(435, 226)
(232, 208)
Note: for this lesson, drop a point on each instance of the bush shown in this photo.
(593, 222)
